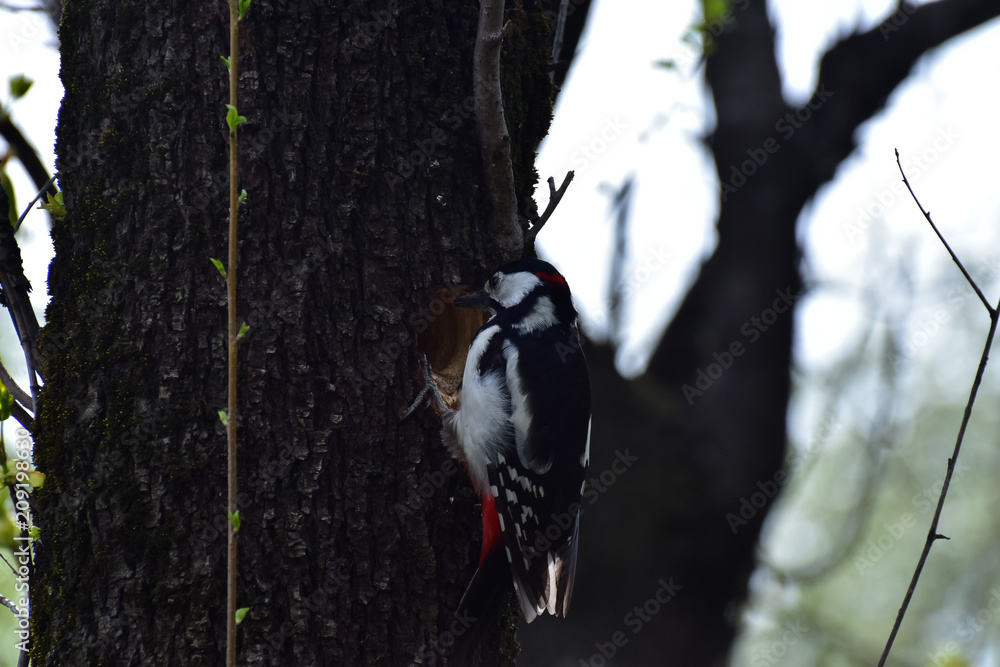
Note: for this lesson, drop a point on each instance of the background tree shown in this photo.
(706, 423)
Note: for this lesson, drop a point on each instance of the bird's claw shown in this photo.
(430, 387)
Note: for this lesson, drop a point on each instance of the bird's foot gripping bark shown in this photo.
(430, 392)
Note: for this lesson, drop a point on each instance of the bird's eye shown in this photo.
(492, 284)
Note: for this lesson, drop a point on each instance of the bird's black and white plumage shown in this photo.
(523, 430)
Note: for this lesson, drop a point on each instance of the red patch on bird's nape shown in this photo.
(492, 536)
(552, 278)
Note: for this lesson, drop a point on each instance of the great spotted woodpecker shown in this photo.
(523, 431)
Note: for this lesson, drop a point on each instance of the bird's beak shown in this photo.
(480, 299)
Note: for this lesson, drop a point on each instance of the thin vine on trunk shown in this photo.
(237, 11)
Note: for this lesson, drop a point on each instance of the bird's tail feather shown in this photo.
(479, 606)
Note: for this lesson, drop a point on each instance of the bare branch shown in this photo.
(22, 416)
(23, 402)
(620, 200)
(7, 563)
(927, 214)
(10, 605)
(15, 288)
(555, 196)
(20, 395)
(557, 40)
(493, 136)
(41, 191)
(25, 152)
(932, 532)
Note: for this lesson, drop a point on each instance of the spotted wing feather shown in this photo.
(539, 513)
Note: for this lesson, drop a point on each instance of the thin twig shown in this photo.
(19, 395)
(234, 207)
(18, 302)
(927, 214)
(23, 402)
(619, 203)
(41, 192)
(555, 196)
(932, 534)
(7, 563)
(10, 605)
(22, 416)
(25, 152)
(557, 40)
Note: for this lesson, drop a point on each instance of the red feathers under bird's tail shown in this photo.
(487, 590)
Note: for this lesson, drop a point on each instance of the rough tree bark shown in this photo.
(362, 166)
(701, 459)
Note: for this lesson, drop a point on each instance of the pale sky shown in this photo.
(942, 113)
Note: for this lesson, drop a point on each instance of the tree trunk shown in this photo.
(363, 170)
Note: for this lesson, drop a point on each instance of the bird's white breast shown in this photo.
(483, 419)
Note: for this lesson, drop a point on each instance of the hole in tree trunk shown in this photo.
(444, 334)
